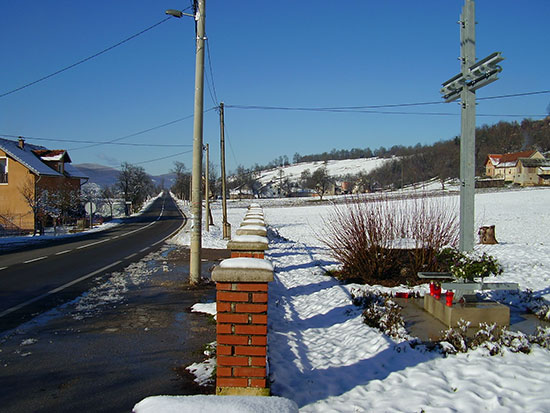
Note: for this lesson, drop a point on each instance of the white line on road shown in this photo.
(56, 290)
(35, 259)
(93, 243)
(144, 249)
(62, 252)
(130, 256)
(3, 268)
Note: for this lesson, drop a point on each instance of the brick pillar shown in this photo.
(241, 329)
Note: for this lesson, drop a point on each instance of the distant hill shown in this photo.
(165, 180)
(99, 174)
(105, 175)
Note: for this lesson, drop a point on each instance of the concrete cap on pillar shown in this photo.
(254, 215)
(252, 230)
(243, 269)
(248, 243)
(253, 222)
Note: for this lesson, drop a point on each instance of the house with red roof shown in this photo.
(525, 168)
(504, 166)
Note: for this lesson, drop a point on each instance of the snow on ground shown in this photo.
(334, 168)
(214, 237)
(324, 358)
(207, 404)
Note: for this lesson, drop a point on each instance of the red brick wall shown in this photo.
(251, 254)
(241, 334)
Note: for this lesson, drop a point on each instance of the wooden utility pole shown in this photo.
(225, 224)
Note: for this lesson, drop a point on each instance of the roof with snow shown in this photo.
(508, 160)
(533, 163)
(34, 157)
(56, 155)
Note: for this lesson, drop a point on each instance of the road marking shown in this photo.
(35, 259)
(144, 249)
(93, 243)
(56, 290)
(64, 286)
(62, 252)
(131, 256)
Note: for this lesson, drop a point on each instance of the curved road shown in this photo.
(43, 276)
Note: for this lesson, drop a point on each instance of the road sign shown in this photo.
(90, 208)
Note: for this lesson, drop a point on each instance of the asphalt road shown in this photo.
(40, 277)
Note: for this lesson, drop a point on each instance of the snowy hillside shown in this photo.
(334, 168)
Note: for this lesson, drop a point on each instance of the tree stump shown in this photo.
(487, 235)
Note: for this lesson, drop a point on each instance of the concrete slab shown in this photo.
(474, 312)
(426, 327)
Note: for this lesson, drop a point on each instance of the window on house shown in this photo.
(3, 170)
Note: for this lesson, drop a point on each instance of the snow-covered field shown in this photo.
(323, 357)
(334, 168)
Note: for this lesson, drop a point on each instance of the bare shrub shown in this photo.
(388, 240)
(491, 337)
(380, 311)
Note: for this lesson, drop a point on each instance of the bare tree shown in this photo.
(305, 179)
(321, 181)
(35, 198)
(181, 186)
(134, 184)
(109, 195)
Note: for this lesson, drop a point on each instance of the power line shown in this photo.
(213, 94)
(540, 92)
(116, 140)
(35, 138)
(381, 112)
(164, 157)
(361, 109)
(86, 59)
(230, 146)
(140, 132)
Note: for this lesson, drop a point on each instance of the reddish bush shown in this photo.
(387, 241)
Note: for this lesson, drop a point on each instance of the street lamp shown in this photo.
(177, 13)
(196, 172)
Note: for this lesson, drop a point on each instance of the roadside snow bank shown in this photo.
(215, 404)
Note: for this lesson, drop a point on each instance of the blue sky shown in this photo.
(269, 53)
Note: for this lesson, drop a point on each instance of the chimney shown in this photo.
(21, 143)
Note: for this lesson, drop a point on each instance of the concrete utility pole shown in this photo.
(226, 225)
(196, 180)
(467, 129)
(207, 188)
(472, 76)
